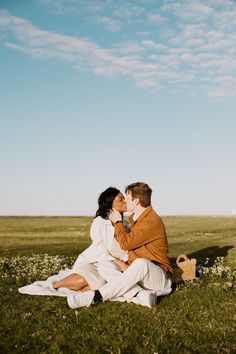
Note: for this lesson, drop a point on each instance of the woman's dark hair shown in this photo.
(105, 201)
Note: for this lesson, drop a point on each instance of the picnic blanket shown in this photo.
(44, 287)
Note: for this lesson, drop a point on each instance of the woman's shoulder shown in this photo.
(99, 228)
(100, 221)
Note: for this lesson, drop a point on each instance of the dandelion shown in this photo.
(27, 315)
(76, 316)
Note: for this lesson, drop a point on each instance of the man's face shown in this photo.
(131, 204)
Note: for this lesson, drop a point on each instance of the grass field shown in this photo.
(199, 317)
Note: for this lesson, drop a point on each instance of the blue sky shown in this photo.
(101, 93)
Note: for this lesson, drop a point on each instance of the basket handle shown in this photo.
(181, 258)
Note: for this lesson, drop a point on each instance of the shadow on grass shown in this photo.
(208, 252)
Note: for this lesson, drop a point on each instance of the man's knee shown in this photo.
(141, 263)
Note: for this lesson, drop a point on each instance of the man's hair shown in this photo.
(142, 191)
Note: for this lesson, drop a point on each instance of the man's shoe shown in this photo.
(145, 298)
(80, 299)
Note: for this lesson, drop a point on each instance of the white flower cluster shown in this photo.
(34, 267)
(219, 271)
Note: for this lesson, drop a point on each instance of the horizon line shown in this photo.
(89, 216)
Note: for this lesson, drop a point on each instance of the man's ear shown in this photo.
(136, 200)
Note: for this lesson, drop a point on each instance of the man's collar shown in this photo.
(141, 216)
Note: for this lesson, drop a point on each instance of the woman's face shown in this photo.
(119, 203)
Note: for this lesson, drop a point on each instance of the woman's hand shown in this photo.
(115, 216)
(121, 265)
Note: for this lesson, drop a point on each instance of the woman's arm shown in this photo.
(121, 265)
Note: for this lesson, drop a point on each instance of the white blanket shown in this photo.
(45, 287)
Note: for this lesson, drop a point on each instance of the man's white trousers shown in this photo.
(141, 274)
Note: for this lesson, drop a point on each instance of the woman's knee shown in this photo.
(103, 267)
(78, 278)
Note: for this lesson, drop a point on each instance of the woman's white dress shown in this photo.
(103, 248)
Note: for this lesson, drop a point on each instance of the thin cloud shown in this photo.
(225, 87)
(152, 45)
(46, 45)
(188, 10)
(127, 11)
(130, 48)
(109, 23)
(156, 18)
(200, 45)
(112, 15)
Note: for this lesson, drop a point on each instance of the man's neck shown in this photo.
(138, 211)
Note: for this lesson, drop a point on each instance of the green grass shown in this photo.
(199, 317)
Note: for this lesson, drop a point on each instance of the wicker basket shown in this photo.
(184, 269)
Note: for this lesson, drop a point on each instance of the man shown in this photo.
(148, 272)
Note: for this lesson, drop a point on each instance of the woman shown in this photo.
(104, 248)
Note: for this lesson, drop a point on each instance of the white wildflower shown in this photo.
(220, 271)
(30, 268)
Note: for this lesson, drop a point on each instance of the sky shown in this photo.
(106, 93)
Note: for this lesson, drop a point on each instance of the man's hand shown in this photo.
(115, 216)
(121, 265)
